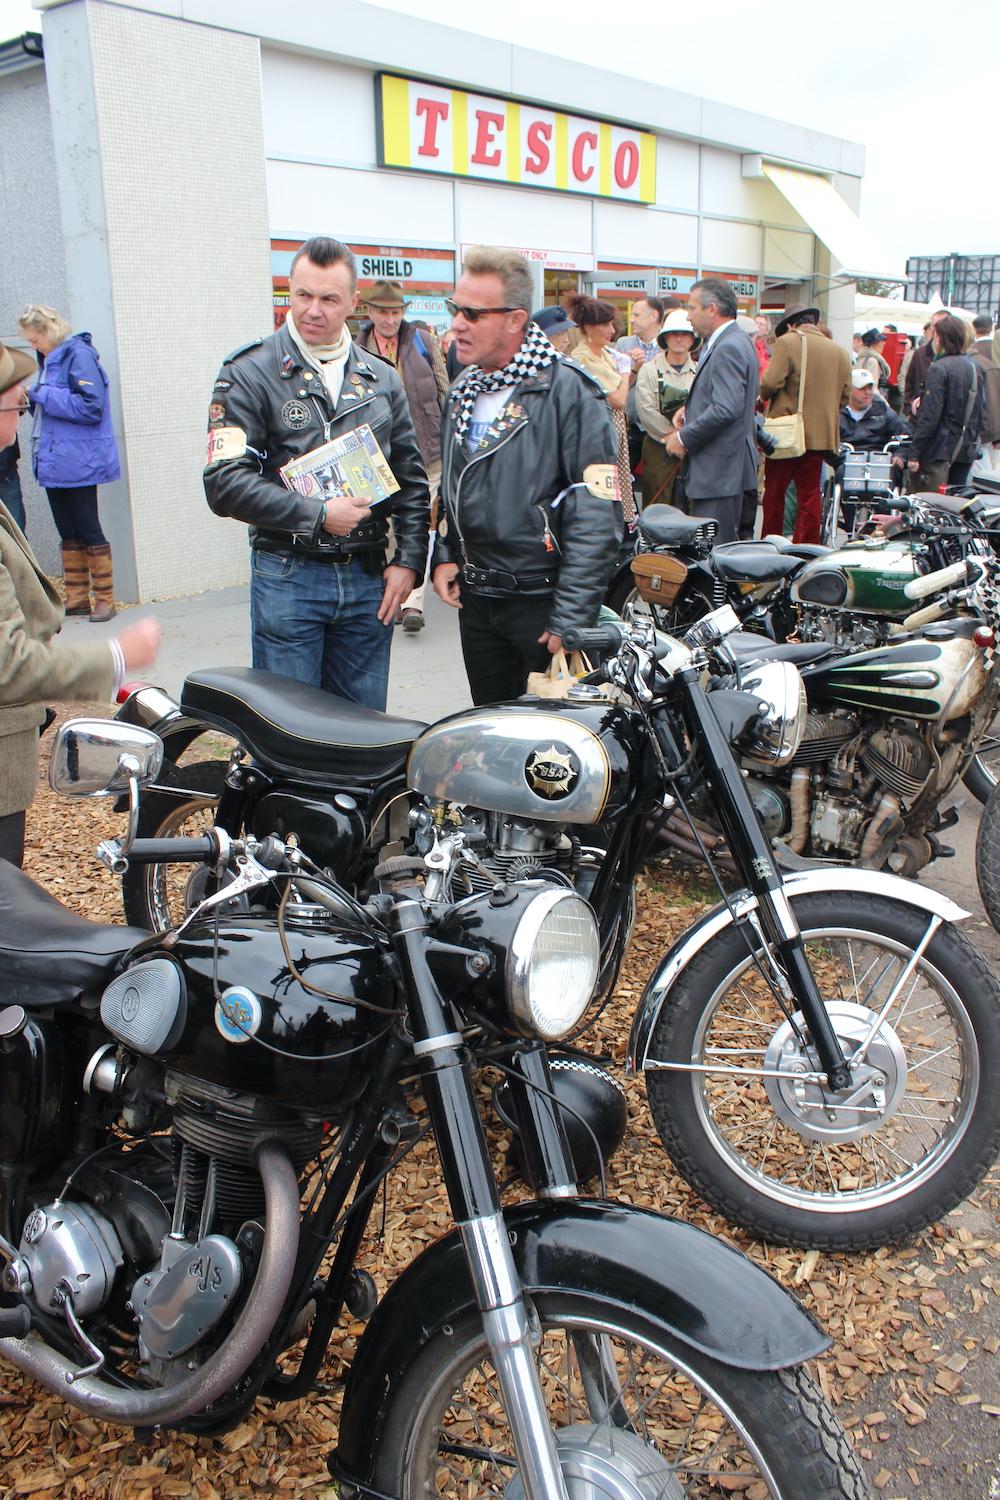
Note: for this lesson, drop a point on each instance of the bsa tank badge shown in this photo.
(552, 771)
(295, 414)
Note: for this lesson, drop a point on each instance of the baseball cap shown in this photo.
(861, 378)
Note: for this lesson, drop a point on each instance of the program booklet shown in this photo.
(350, 465)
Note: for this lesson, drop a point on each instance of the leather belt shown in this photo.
(496, 578)
(307, 554)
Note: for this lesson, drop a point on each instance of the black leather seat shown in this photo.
(49, 955)
(752, 562)
(750, 647)
(797, 549)
(297, 728)
(666, 526)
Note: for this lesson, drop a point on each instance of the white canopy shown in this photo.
(909, 317)
(834, 222)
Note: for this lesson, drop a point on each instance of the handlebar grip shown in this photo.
(925, 616)
(172, 851)
(932, 583)
(597, 638)
(15, 1322)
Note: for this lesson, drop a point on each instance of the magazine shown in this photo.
(350, 465)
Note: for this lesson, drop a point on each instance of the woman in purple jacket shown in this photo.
(73, 451)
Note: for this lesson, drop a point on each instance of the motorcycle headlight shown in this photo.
(781, 696)
(552, 964)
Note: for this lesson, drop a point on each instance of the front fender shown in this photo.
(682, 1281)
(801, 883)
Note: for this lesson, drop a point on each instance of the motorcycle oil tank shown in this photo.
(869, 580)
(326, 1045)
(39, 1096)
(922, 679)
(333, 835)
(550, 759)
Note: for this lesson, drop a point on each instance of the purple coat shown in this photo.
(75, 445)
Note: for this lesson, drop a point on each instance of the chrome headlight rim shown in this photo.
(518, 964)
(775, 738)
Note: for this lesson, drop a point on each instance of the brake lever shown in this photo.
(251, 876)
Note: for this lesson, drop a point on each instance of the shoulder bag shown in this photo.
(789, 433)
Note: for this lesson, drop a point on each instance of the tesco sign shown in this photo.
(430, 128)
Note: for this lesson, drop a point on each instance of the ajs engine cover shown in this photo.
(186, 1295)
(70, 1247)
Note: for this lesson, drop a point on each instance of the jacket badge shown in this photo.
(216, 412)
(552, 772)
(295, 415)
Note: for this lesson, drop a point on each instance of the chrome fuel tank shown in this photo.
(549, 759)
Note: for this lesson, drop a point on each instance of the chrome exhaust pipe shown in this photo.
(170, 1404)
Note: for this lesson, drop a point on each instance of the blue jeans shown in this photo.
(10, 494)
(316, 622)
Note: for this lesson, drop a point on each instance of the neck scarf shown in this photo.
(534, 354)
(328, 359)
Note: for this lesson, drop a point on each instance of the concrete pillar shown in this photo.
(158, 134)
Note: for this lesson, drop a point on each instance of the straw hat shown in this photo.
(15, 365)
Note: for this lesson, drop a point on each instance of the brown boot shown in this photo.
(99, 560)
(77, 576)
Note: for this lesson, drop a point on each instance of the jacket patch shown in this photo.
(223, 385)
(225, 444)
(296, 415)
(216, 413)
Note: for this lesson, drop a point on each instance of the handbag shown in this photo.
(789, 433)
(560, 677)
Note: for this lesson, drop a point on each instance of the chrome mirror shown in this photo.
(100, 757)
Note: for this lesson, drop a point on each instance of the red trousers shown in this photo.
(778, 474)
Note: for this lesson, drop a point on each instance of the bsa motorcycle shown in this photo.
(193, 1121)
(574, 793)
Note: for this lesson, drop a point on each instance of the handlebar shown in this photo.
(173, 851)
(596, 639)
(932, 583)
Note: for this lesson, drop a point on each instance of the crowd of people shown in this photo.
(522, 443)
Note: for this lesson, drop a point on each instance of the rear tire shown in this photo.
(988, 857)
(703, 1428)
(158, 897)
(982, 775)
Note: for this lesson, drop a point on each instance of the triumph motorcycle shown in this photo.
(817, 1109)
(196, 1125)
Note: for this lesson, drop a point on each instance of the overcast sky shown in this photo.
(914, 82)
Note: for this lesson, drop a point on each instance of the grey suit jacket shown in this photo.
(719, 432)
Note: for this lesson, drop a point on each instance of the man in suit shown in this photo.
(717, 433)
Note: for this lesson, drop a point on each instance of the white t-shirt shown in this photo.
(486, 407)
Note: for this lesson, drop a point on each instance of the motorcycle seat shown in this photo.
(297, 728)
(751, 647)
(48, 954)
(797, 549)
(752, 562)
(666, 526)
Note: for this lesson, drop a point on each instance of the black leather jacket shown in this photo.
(268, 404)
(874, 428)
(499, 523)
(940, 430)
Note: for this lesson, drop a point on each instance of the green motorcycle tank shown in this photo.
(924, 678)
(868, 580)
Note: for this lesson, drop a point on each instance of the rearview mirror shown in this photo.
(100, 757)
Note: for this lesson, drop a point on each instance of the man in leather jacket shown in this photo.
(322, 601)
(523, 555)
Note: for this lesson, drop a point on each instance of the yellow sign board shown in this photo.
(429, 128)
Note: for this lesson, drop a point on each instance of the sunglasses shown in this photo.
(473, 314)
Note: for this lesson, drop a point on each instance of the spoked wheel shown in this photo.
(831, 518)
(636, 1417)
(160, 896)
(982, 775)
(782, 1155)
(690, 606)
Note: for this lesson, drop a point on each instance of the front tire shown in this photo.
(982, 775)
(159, 897)
(793, 1164)
(659, 1418)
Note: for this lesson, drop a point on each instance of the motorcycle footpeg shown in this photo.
(15, 1322)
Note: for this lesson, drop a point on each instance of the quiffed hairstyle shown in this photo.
(714, 289)
(588, 312)
(953, 334)
(512, 269)
(45, 320)
(326, 252)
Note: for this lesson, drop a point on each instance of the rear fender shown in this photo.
(801, 883)
(678, 1279)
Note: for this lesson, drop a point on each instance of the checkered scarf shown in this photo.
(534, 354)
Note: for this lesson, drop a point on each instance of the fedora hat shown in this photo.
(676, 321)
(15, 365)
(795, 311)
(384, 294)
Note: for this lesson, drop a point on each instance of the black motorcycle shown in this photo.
(193, 1121)
(576, 793)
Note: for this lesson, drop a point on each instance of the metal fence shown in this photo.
(969, 281)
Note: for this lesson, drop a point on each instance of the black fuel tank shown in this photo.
(272, 1037)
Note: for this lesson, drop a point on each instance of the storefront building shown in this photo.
(191, 148)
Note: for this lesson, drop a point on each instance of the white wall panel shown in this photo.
(730, 246)
(643, 236)
(385, 207)
(317, 108)
(677, 173)
(726, 191)
(787, 253)
(506, 216)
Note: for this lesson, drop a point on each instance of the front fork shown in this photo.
(751, 851)
(508, 1321)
